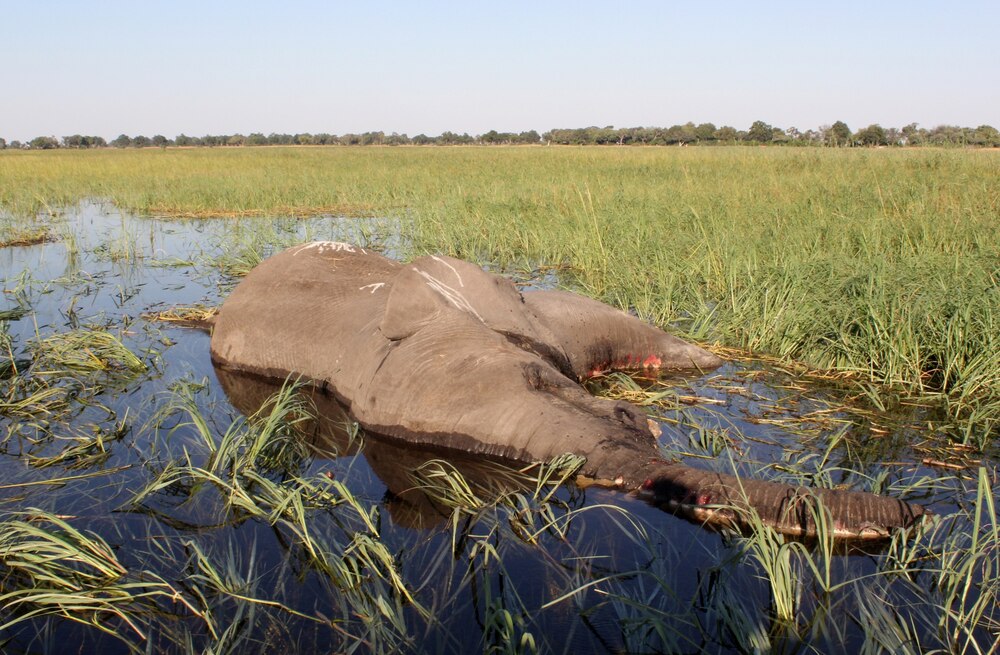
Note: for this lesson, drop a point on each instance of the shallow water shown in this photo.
(638, 568)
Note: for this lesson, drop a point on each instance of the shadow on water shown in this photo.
(358, 543)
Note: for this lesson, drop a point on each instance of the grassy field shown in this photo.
(882, 264)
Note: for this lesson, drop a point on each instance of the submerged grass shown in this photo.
(51, 568)
(762, 594)
(256, 470)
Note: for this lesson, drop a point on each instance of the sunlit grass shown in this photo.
(184, 315)
(51, 568)
(86, 349)
(879, 263)
(268, 553)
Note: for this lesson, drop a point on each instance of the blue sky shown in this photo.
(145, 67)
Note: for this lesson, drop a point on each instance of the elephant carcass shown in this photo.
(327, 431)
(440, 353)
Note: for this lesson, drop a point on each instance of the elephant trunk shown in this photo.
(721, 500)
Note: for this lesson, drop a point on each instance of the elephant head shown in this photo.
(439, 353)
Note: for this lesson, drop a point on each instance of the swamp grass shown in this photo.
(884, 264)
(140, 511)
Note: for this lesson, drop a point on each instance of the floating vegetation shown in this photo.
(27, 236)
(86, 349)
(196, 315)
(51, 568)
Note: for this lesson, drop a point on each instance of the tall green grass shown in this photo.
(885, 264)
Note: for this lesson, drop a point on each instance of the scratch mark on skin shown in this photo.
(438, 259)
(331, 246)
(455, 298)
(374, 286)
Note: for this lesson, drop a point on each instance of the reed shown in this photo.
(52, 568)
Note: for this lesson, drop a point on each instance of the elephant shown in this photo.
(439, 353)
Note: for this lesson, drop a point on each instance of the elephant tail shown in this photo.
(720, 500)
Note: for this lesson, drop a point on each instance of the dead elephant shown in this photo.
(440, 353)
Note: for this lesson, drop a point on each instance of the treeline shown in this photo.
(836, 135)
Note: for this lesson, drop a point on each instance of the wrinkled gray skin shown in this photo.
(393, 461)
(440, 353)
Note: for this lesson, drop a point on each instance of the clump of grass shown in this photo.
(24, 236)
(51, 568)
(249, 242)
(22, 401)
(83, 451)
(86, 349)
(194, 315)
(123, 247)
(255, 468)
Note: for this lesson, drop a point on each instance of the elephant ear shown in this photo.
(431, 286)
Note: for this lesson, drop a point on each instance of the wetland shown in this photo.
(151, 503)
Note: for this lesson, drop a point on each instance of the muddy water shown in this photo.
(639, 570)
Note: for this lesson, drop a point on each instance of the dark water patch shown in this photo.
(356, 543)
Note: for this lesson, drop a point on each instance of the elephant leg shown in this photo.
(597, 338)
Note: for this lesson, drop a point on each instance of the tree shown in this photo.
(727, 133)
(705, 132)
(3, 144)
(838, 135)
(121, 141)
(873, 135)
(913, 135)
(396, 139)
(43, 143)
(160, 141)
(984, 135)
(760, 132)
(80, 141)
(531, 136)
(140, 141)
